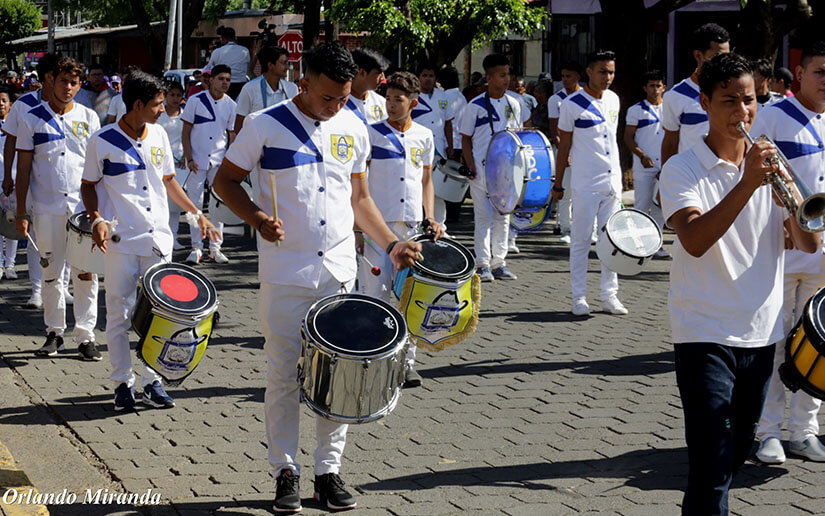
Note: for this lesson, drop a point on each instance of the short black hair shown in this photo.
(600, 55)
(784, 75)
(406, 82)
(654, 75)
(448, 77)
(720, 70)
(545, 86)
(270, 54)
(494, 60)
(172, 85)
(68, 65)
(424, 65)
(706, 34)
(140, 86)
(814, 49)
(97, 66)
(46, 64)
(4, 88)
(763, 67)
(332, 59)
(369, 59)
(221, 68)
(573, 66)
(129, 70)
(227, 32)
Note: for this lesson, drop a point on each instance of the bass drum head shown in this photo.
(504, 175)
(444, 259)
(80, 223)
(527, 221)
(634, 233)
(179, 289)
(355, 326)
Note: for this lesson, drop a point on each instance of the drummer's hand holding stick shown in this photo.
(194, 216)
(431, 227)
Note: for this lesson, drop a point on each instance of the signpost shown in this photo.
(293, 42)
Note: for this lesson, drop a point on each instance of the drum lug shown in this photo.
(615, 252)
(641, 261)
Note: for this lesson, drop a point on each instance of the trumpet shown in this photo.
(810, 213)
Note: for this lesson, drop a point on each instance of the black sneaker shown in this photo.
(412, 378)
(54, 343)
(287, 499)
(329, 490)
(88, 351)
(124, 398)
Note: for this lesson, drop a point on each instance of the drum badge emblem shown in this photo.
(443, 312)
(415, 156)
(157, 156)
(80, 129)
(341, 147)
(179, 351)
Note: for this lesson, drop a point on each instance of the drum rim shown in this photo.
(326, 347)
(158, 304)
(514, 133)
(810, 324)
(77, 229)
(788, 371)
(452, 175)
(459, 276)
(613, 243)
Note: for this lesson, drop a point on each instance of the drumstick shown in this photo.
(376, 271)
(274, 203)
(44, 262)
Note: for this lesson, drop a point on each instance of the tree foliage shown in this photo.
(437, 29)
(20, 19)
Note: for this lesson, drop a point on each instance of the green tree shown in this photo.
(20, 19)
(436, 29)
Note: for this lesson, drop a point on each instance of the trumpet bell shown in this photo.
(811, 212)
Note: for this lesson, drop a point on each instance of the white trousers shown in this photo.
(565, 204)
(194, 189)
(181, 175)
(802, 422)
(440, 212)
(381, 286)
(33, 262)
(587, 207)
(281, 309)
(643, 184)
(51, 239)
(9, 254)
(492, 229)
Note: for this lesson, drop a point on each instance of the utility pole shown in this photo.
(170, 34)
(180, 35)
(51, 28)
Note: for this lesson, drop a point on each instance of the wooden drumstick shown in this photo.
(274, 203)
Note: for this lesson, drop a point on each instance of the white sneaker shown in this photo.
(194, 257)
(177, 246)
(217, 256)
(580, 307)
(68, 297)
(614, 306)
(9, 272)
(770, 451)
(511, 247)
(811, 448)
(565, 239)
(35, 301)
(1, 272)
(662, 254)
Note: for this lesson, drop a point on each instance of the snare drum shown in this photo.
(81, 253)
(448, 183)
(440, 295)
(220, 212)
(519, 170)
(7, 224)
(352, 358)
(804, 366)
(174, 318)
(628, 240)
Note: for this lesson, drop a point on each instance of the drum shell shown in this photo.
(617, 260)
(80, 252)
(804, 366)
(220, 212)
(527, 221)
(449, 187)
(7, 225)
(519, 170)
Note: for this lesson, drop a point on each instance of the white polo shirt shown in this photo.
(396, 170)
(733, 294)
(173, 125)
(257, 94)
(594, 153)
(234, 56)
(457, 101)
(647, 118)
(474, 122)
(210, 120)
(313, 162)
(19, 109)
(682, 112)
(369, 111)
(800, 135)
(129, 176)
(59, 146)
(554, 103)
(117, 108)
(433, 112)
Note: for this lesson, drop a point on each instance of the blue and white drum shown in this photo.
(529, 220)
(519, 170)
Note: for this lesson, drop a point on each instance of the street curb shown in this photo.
(13, 478)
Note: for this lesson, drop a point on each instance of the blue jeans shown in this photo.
(722, 389)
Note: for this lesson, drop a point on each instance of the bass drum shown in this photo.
(628, 241)
(527, 221)
(519, 170)
(804, 366)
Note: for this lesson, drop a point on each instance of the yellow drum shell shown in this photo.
(804, 366)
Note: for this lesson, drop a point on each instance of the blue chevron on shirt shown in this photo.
(584, 103)
(791, 148)
(43, 114)
(277, 158)
(116, 138)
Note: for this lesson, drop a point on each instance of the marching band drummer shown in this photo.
(725, 296)
(316, 152)
(400, 183)
(128, 172)
(796, 125)
(587, 135)
(51, 147)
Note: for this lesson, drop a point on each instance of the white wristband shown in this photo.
(97, 221)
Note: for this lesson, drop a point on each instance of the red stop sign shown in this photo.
(293, 42)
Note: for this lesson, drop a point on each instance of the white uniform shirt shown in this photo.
(234, 56)
(457, 101)
(526, 110)
(173, 125)
(369, 111)
(397, 169)
(800, 135)
(433, 112)
(554, 103)
(682, 112)
(594, 153)
(59, 145)
(117, 108)
(257, 94)
(475, 122)
(313, 162)
(210, 120)
(18, 111)
(647, 118)
(733, 294)
(129, 176)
